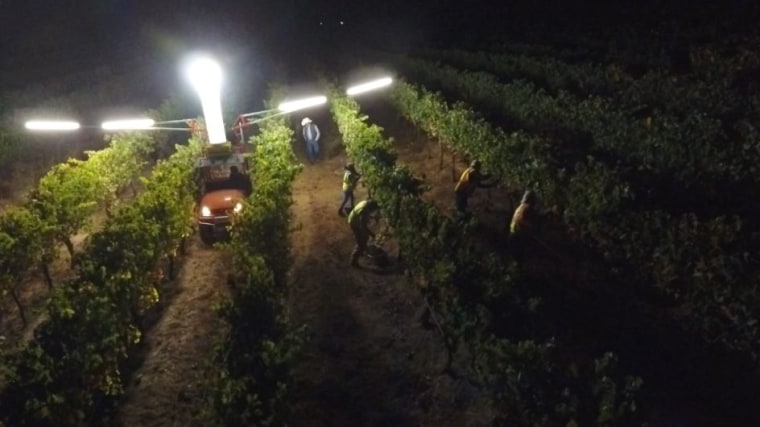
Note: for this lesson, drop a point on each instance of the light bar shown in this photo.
(51, 125)
(206, 76)
(258, 113)
(366, 87)
(128, 124)
(300, 104)
(166, 122)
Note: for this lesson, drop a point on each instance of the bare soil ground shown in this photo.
(370, 361)
(167, 388)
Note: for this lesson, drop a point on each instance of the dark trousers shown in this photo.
(520, 245)
(362, 237)
(460, 200)
(312, 150)
(348, 201)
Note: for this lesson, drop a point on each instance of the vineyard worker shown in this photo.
(525, 219)
(311, 136)
(470, 179)
(239, 180)
(350, 179)
(358, 219)
(524, 225)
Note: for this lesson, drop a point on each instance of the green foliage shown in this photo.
(685, 142)
(64, 201)
(118, 165)
(73, 365)
(250, 384)
(532, 387)
(66, 198)
(715, 283)
(468, 287)
(21, 243)
(670, 94)
(68, 195)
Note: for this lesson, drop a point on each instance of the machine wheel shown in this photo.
(207, 234)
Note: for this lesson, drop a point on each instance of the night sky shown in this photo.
(42, 40)
(37, 28)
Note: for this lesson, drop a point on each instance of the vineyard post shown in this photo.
(440, 149)
(453, 166)
(46, 273)
(70, 248)
(448, 342)
(14, 294)
(170, 266)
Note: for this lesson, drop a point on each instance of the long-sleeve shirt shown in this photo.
(349, 180)
(311, 132)
(524, 220)
(359, 217)
(468, 181)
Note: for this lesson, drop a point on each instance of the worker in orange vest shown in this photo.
(470, 179)
(524, 225)
(525, 219)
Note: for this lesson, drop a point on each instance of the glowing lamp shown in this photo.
(128, 124)
(300, 104)
(51, 125)
(206, 76)
(366, 87)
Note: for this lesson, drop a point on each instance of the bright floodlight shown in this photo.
(51, 125)
(300, 104)
(366, 87)
(206, 76)
(128, 124)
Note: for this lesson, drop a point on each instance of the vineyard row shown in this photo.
(72, 370)
(705, 266)
(471, 292)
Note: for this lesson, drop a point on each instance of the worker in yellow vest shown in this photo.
(350, 179)
(358, 219)
(470, 179)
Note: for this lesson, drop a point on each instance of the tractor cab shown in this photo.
(224, 183)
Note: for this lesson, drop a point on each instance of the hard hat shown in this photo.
(305, 121)
(475, 164)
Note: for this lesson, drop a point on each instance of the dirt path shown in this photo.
(369, 361)
(166, 389)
